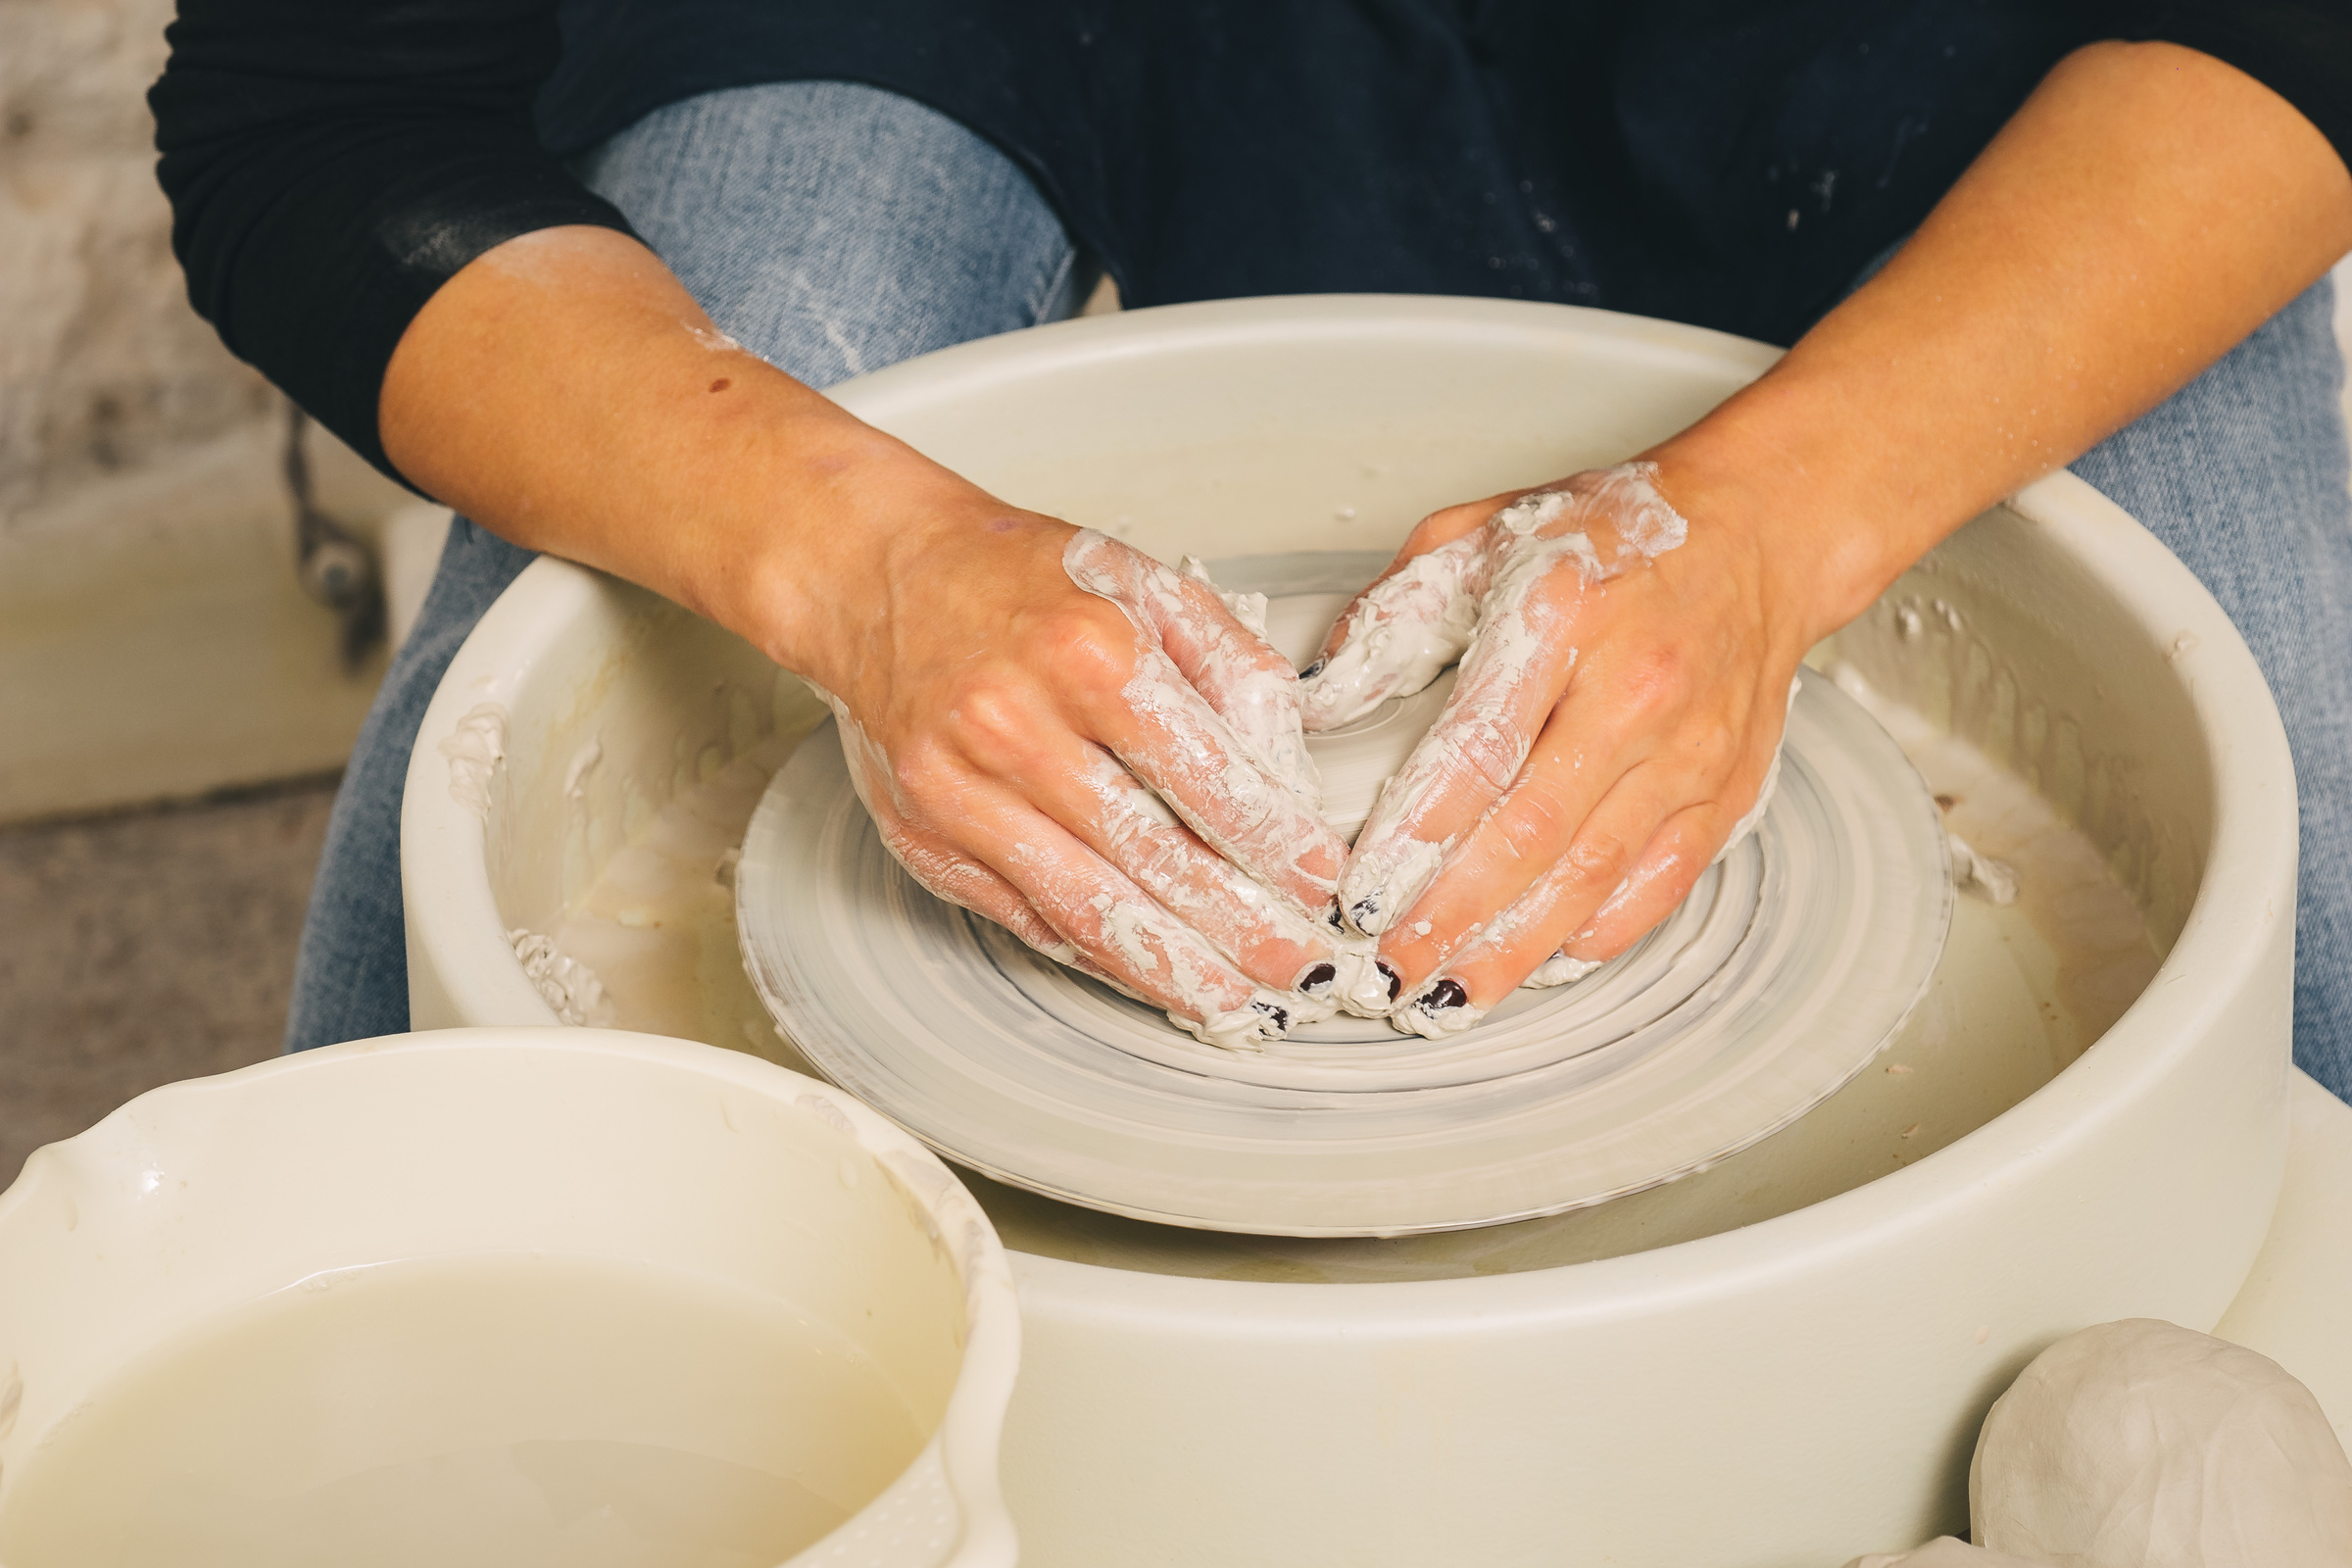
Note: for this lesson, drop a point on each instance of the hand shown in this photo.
(565, 390)
(1618, 712)
(1018, 697)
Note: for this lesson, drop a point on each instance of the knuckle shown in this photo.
(989, 720)
(1443, 528)
(1539, 817)
(923, 776)
(1262, 660)
(1712, 757)
(1656, 677)
(1086, 630)
(1598, 854)
(1494, 749)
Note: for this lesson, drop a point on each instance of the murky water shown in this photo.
(496, 1412)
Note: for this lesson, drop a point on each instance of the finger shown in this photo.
(1441, 527)
(1672, 864)
(1677, 855)
(1591, 752)
(1131, 827)
(1165, 731)
(1512, 944)
(1526, 863)
(1756, 807)
(1169, 737)
(1398, 635)
(1478, 748)
(949, 873)
(1122, 929)
(1019, 738)
(1084, 902)
(1217, 648)
(945, 870)
(1588, 770)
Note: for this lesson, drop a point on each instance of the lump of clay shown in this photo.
(2140, 1445)
(1944, 1551)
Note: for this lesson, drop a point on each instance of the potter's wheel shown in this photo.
(1788, 966)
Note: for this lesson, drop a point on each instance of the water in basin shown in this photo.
(501, 1411)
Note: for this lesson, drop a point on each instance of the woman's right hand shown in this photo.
(1018, 697)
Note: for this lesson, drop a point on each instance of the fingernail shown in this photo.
(1330, 916)
(1280, 1016)
(1396, 980)
(1317, 978)
(1443, 997)
(1363, 910)
(1313, 670)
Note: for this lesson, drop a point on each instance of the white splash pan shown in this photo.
(1787, 1393)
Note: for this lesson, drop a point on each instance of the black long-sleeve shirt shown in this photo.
(1731, 163)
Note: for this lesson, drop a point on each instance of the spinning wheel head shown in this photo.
(1786, 969)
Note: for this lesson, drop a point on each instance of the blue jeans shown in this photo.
(835, 229)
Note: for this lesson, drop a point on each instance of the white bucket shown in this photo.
(501, 1296)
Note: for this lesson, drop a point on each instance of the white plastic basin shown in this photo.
(462, 1177)
(1790, 1377)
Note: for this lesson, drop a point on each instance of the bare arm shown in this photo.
(566, 391)
(2147, 208)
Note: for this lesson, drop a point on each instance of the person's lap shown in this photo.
(2243, 474)
(831, 228)
(834, 228)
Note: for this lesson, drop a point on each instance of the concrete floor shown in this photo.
(145, 948)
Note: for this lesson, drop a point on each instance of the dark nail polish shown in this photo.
(1444, 995)
(1313, 670)
(1396, 980)
(1330, 917)
(1280, 1016)
(1364, 910)
(1321, 975)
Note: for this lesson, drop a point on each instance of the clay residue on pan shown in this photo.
(474, 749)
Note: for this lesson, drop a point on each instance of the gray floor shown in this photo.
(142, 948)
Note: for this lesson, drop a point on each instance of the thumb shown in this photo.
(1398, 634)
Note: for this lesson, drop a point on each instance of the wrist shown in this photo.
(851, 547)
(1825, 538)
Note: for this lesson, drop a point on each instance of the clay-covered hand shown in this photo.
(1072, 739)
(1625, 677)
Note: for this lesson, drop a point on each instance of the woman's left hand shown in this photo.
(1626, 678)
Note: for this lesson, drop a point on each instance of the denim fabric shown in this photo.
(2243, 473)
(834, 228)
(829, 228)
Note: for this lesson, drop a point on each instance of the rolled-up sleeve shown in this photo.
(329, 165)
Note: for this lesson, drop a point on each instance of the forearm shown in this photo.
(2147, 208)
(331, 166)
(567, 392)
